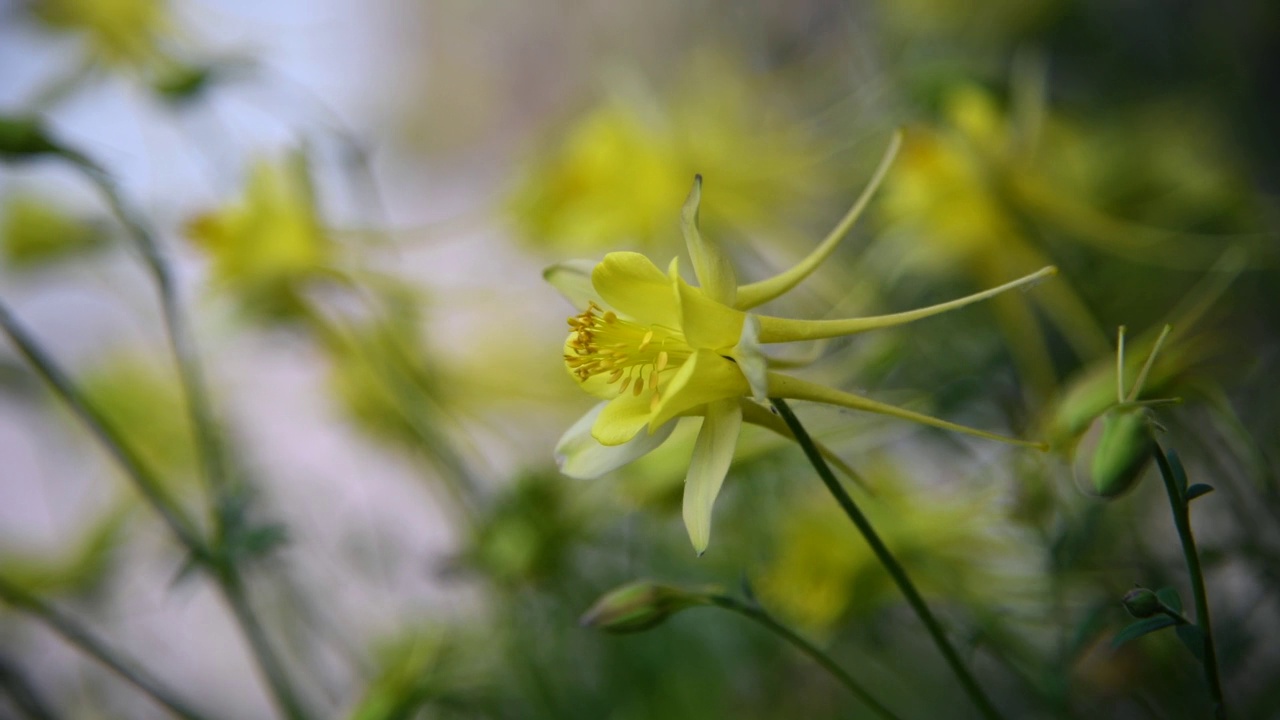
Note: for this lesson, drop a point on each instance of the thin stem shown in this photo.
(758, 615)
(209, 443)
(1182, 521)
(148, 484)
(80, 636)
(886, 558)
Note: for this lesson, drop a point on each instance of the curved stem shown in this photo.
(890, 563)
(1182, 521)
(758, 615)
(76, 634)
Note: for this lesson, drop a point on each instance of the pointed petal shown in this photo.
(773, 329)
(573, 279)
(621, 418)
(706, 323)
(759, 293)
(712, 455)
(705, 377)
(715, 272)
(581, 456)
(631, 284)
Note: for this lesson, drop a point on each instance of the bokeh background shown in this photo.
(358, 199)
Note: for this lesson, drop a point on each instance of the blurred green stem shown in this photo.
(757, 614)
(79, 636)
(208, 440)
(886, 558)
(1180, 507)
(148, 484)
(21, 692)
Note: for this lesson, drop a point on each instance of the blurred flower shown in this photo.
(956, 545)
(622, 166)
(148, 409)
(266, 246)
(656, 348)
(35, 231)
(121, 33)
(79, 569)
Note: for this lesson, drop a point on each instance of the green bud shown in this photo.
(638, 606)
(24, 137)
(1141, 603)
(1123, 451)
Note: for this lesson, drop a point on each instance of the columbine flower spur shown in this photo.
(654, 348)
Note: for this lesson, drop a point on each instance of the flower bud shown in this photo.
(1123, 451)
(1141, 603)
(637, 606)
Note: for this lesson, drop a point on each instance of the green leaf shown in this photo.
(1170, 598)
(1197, 490)
(1141, 627)
(1193, 638)
(1179, 473)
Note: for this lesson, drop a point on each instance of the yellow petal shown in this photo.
(705, 377)
(706, 323)
(712, 456)
(580, 455)
(635, 287)
(622, 418)
(714, 270)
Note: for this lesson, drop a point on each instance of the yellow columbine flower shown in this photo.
(655, 348)
(127, 33)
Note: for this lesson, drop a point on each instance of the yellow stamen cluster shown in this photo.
(631, 354)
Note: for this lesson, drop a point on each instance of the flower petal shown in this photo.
(714, 270)
(705, 377)
(753, 364)
(573, 279)
(712, 455)
(631, 284)
(581, 456)
(621, 418)
(706, 324)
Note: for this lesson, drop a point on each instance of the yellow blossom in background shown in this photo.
(117, 33)
(955, 544)
(655, 348)
(268, 243)
(35, 231)
(619, 168)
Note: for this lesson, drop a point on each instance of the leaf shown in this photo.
(1193, 638)
(1179, 472)
(1197, 490)
(1170, 598)
(1141, 627)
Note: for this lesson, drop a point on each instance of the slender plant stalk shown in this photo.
(758, 615)
(886, 558)
(148, 483)
(208, 440)
(80, 636)
(1182, 521)
(21, 693)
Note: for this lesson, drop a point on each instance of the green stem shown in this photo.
(76, 634)
(886, 558)
(1182, 521)
(21, 693)
(207, 438)
(148, 484)
(758, 615)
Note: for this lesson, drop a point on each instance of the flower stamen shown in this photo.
(629, 354)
